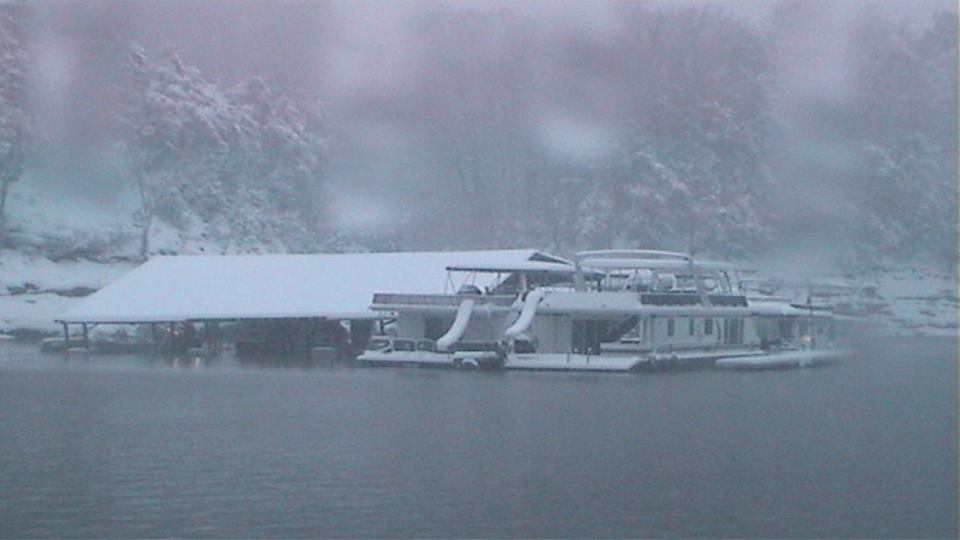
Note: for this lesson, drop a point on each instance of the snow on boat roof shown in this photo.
(336, 286)
(649, 259)
(633, 253)
(652, 264)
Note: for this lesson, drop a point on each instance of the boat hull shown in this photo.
(782, 360)
(463, 360)
(571, 362)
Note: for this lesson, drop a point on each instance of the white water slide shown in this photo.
(526, 314)
(458, 327)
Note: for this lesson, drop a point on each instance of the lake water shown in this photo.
(122, 446)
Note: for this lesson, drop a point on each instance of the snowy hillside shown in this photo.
(35, 290)
(920, 302)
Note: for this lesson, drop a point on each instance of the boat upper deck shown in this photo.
(633, 303)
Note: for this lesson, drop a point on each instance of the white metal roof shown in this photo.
(340, 286)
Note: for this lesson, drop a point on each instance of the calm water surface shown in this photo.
(125, 446)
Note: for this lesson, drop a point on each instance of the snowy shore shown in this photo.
(34, 291)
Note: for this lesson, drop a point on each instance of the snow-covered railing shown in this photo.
(691, 299)
(393, 299)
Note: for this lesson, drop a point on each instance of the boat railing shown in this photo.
(453, 300)
(728, 300)
(669, 299)
(691, 299)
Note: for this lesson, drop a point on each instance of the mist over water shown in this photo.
(128, 446)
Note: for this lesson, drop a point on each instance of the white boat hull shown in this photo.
(782, 360)
(428, 359)
(571, 362)
(744, 359)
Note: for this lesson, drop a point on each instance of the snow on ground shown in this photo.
(32, 314)
(901, 301)
(35, 290)
(35, 272)
(920, 302)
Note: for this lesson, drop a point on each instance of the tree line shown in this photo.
(677, 128)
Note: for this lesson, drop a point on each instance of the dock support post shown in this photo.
(86, 337)
(210, 337)
(66, 335)
(153, 337)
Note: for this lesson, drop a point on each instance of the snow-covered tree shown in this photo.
(173, 124)
(242, 169)
(15, 117)
(282, 144)
(690, 170)
(906, 128)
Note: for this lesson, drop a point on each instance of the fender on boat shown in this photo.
(526, 314)
(458, 327)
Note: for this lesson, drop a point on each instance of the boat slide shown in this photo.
(458, 327)
(526, 314)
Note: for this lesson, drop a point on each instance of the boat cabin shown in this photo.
(631, 304)
(472, 316)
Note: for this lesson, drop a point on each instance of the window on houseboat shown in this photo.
(524, 346)
(378, 344)
(690, 329)
(405, 345)
(708, 326)
(670, 327)
(425, 345)
(733, 331)
(786, 329)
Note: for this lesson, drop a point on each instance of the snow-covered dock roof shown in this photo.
(336, 286)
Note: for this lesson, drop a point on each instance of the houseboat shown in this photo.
(613, 310)
(465, 326)
(645, 310)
